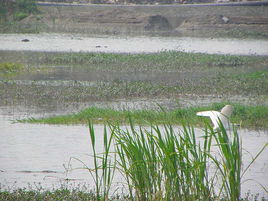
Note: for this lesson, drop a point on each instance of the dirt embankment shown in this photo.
(209, 21)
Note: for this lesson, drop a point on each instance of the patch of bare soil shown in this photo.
(220, 23)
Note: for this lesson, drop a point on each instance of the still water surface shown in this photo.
(32, 155)
(80, 43)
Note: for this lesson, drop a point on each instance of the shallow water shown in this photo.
(80, 43)
(33, 155)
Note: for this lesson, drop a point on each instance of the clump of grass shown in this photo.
(248, 116)
(161, 166)
(60, 194)
(11, 67)
(104, 166)
(255, 75)
(164, 164)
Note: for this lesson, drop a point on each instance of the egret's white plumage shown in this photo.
(216, 117)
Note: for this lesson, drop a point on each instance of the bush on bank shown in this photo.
(16, 9)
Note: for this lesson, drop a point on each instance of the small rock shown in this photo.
(25, 40)
(98, 46)
(225, 19)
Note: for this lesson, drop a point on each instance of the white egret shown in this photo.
(217, 117)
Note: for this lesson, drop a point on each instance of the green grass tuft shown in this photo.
(161, 163)
(11, 67)
(248, 116)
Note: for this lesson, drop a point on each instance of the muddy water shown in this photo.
(36, 155)
(78, 43)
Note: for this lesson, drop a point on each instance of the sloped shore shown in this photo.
(165, 20)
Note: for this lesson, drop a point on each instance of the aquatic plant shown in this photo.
(163, 163)
(104, 166)
(162, 61)
(246, 115)
(161, 75)
(164, 77)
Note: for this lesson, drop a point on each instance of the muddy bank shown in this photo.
(203, 21)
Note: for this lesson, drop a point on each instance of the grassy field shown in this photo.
(62, 79)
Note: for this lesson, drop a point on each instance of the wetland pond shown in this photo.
(34, 156)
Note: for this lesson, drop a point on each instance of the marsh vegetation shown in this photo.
(161, 163)
(184, 79)
(157, 159)
(157, 163)
(170, 163)
(246, 116)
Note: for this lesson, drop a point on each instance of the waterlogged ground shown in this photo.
(34, 156)
(73, 81)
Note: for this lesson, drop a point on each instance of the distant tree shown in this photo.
(27, 6)
(15, 8)
(6, 8)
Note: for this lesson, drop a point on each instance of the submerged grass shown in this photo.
(247, 116)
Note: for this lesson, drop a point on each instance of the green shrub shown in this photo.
(19, 16)
(10, 67)
(28, 6)
(18, 9)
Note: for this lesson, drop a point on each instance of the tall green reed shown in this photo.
(160, 164)
(163, 163)
(230, 164)
(104, 164)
